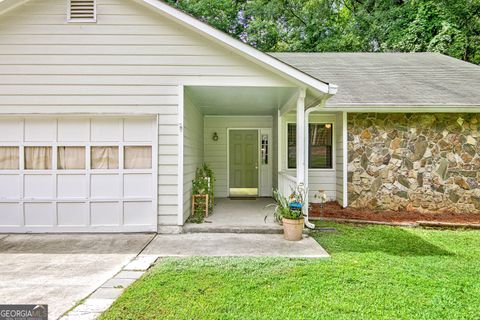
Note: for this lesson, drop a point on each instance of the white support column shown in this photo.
(301, 136)
(345, 158)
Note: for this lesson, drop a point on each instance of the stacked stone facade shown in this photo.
(414, 161)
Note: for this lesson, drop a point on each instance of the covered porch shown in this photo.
(271, 125)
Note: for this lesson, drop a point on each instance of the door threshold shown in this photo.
(243, 192)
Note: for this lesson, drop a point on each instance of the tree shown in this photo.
(451, 27)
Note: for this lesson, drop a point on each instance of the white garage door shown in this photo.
(78, 174)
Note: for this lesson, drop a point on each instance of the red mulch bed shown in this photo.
(333, 210)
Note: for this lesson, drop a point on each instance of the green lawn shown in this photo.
(375, 272)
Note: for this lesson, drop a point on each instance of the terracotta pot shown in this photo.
(292, 229)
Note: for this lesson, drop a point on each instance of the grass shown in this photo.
(375, 272)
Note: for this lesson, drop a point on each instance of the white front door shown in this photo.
(78, 174)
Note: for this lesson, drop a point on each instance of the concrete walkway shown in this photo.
(60, 270)
(230, 245)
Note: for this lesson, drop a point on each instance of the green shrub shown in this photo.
(204, 183)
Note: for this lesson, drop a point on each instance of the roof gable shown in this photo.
(250, 53)
(241, 48)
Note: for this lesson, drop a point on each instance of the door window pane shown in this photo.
(104, 157)
(71, 158)
(138, 157)
(38, 158)
(320, 145)
(9, 158)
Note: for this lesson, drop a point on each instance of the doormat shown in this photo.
(243, 198)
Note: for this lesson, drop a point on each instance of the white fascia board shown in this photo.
(8, 5)
(243, 49)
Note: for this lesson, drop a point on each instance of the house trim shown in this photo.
(345, 158)
(243, 49)
(10, 5)
(181, 106)
(400, 108)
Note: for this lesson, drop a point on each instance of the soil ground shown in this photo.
(333, 210)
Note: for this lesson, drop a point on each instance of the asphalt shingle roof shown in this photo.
(387, 79)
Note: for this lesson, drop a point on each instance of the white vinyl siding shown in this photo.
(193, 150)
(130, 62)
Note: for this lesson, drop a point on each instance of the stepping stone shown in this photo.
(141, 263)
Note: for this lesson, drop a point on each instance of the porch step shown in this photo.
(208, 228)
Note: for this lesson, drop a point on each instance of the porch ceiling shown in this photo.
(239, 100)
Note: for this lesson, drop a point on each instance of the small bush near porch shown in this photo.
(375, 272)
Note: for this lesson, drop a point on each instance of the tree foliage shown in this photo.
(451, 27)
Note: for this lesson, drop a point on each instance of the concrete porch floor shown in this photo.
(238, 216)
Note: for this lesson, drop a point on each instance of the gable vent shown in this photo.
(82, 11)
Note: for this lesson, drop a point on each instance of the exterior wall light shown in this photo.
(215, 136)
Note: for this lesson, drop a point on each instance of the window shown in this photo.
(264, 149)
(104, 157)
(320, 145)
(138, 157)
(9, 158)
(38, 158)
(71, 158)
(82, 11)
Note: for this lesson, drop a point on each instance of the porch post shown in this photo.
(301, 136)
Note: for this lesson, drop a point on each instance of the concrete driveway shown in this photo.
(60, 270)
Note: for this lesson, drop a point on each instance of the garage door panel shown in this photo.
(11, 129)
(72, 186)
(10, 186)
(106, 129)
(49, 181)
(104, 186)
(39, 214)
(10, 214)
(136, 213)
(105, 213)
(37, 130)
(72, 214)
(39, 186)
(73, 130)
(141, 129)
(137, 185)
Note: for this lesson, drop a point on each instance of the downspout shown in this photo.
(318, 107)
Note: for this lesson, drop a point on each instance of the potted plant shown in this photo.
(289, 213)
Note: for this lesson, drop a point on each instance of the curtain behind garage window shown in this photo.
(104, 157)
(9, 158)
(71, 158)
(38, 158)
(138, 157)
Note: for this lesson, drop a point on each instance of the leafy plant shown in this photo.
(285, 208)
(203, 184)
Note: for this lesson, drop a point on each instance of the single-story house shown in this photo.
(108, 106)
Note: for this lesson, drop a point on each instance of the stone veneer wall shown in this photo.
(426, 162)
